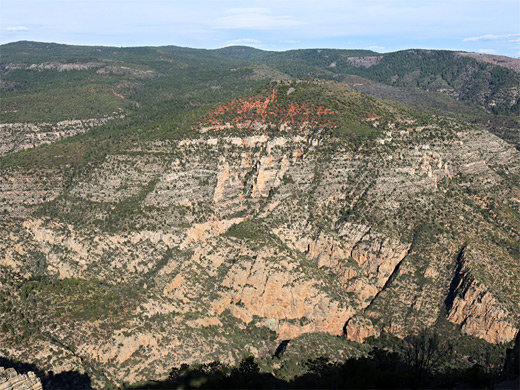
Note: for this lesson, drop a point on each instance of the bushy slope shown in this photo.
(225, 213)
(492, 87)
(52, 82)
(233, 238)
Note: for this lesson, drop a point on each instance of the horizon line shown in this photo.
(251, 47)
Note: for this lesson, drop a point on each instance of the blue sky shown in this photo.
(491, 26)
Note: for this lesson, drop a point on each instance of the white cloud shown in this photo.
(243, 41)
(486, 51)
(16, 29)
(489, 37)
(254, 19)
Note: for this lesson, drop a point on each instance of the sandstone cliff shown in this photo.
(246, 234)
(11, 380)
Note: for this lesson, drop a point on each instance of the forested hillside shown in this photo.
(214, 217)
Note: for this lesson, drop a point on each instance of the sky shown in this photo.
(485, 26)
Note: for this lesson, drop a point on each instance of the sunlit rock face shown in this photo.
(11, 380)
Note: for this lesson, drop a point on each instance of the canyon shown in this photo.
(303, 208)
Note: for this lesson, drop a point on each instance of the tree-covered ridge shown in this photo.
(160, 82)
(49, 82)
(477, 82)
(300, 107)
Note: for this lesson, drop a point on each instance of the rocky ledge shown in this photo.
(11, 380)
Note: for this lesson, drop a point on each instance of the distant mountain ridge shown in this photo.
(446, 81)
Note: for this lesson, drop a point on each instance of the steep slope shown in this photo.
(306, 207)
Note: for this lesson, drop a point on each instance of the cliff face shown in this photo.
(241, 236)
(473, 307)
(11, 380)
(21, 136)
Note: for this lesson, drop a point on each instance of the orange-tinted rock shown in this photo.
(480, 315)
(242, 113)
(359, 328)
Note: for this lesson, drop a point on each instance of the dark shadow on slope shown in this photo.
(380, 370)
(62, 381)
(455, 282)
(281, 348)
(216, 375)
(416, 363)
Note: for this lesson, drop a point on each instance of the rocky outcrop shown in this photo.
(377, 257)
(267, 177)
(11, 380)
(359, 328)
(21, 190)
(21, 136)
(365, 61)
(362, 260)
(223, 179)
(507, 62)
(479, 313)
(281, 292)
(127, 71)
(55, 66)
(474, 308)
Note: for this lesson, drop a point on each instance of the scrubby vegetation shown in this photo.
(423, 361)
(230, 209)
